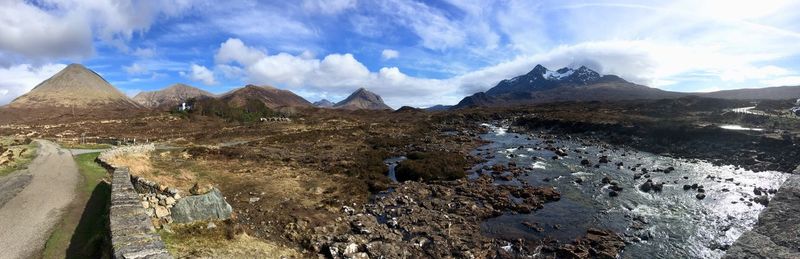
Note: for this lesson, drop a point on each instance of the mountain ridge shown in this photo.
(542, 85)
(272, 97)
(170, 96)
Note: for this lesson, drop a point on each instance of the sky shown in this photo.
(411, 52)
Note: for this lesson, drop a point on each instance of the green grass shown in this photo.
(92, 172)
(83, 232)
(85, 146)
(20, 162)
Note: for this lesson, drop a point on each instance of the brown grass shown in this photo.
(197, 241)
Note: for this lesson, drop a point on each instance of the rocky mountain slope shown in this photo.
(324, 103)
(362, 99)
(542, 85)
(272, 97)
(170, 96)
(74, 87)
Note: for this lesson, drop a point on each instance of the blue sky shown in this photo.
(411, 52)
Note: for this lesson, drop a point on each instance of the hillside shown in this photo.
(362, 99)
(74, 87)
(170, 96)
(270, 96)
(767, 93)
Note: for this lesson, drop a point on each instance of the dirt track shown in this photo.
(27, 219)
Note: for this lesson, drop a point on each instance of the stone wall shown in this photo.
(777, 233)
(156, 199)
(132, 233)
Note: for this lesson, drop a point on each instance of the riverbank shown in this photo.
(777, 233)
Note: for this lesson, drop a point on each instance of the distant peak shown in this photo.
(538, 70)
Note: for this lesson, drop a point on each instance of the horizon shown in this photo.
(421, 54)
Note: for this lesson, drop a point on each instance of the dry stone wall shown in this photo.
(132, 233)
(139, 206)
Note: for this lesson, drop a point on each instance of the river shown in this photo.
(672, 223)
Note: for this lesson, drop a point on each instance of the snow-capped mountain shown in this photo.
(542, 85)
(541, 78)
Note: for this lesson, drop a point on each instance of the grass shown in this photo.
(196, 241)
(21, 161)
(83, 232)
(85, 146)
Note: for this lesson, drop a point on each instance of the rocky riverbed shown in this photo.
(442, 220)
(661, 206)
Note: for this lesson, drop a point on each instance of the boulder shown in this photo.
(211, 205)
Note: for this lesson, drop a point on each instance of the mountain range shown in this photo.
(79, 90)
(171, 96)
(542, 85)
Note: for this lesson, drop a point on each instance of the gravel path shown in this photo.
(27, 219)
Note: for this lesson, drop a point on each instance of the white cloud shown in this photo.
(261, 22)
(53, 29)
(34, 33)
(782, 81)
(338, 75)
(135, 69)
(200, 73)
(19, 79)
(389, 54)
(328, 6)
(144, 52)
(234, 50)
(434, 28)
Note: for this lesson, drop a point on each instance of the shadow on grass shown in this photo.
(91, 238)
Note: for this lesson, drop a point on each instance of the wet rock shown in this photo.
(646, 186)
(604, 160)
(613, 194)
(585, 162)
(763, 200)
(650, 186)
(533, 226)
(606, 180)
(560, 152)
